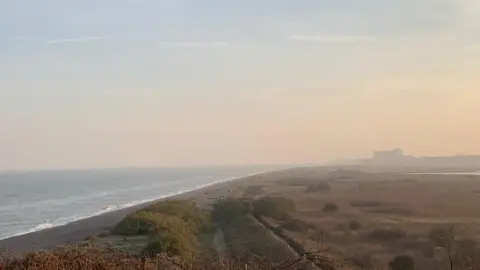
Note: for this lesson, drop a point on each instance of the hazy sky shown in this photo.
(107, 83)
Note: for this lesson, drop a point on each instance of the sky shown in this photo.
(115, 83)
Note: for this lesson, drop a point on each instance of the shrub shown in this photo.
(330, 208)
(172, 227)
(386, 235)
(322, 187)
(148, 223)
(296, 225)
(228, 210)
(198, 220)
(354, 225)
(277, 208)
(139, 223)
(402, 262)
(172, 243)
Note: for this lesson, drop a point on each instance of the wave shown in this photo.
(64, 201)
(111, 208)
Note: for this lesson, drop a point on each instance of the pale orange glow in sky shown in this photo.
(294, 83)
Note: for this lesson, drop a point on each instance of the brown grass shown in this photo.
(109, 259)
(412, 203)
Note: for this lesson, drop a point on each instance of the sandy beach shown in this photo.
(76, 232)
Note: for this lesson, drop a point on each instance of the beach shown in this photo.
(76, 232)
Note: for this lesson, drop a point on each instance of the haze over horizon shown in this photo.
(182, 82)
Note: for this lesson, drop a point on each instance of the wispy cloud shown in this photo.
(335, 38)
(195, 44)
(79, 39)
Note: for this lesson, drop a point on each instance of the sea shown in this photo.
(37, 200)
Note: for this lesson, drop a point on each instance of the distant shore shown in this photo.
(76, 232)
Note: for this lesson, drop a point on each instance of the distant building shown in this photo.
(396, 157)
(386, 156)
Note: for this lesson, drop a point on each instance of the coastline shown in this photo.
(76, 232)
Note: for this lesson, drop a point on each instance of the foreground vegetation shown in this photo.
(89, 258)
(171, 227)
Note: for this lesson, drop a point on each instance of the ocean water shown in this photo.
(33, 201)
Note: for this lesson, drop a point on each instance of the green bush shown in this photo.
(148, 223)
(172, 243)
(228, 210)
(402, 262)
(139, 223)
(172, 226)
(277, 208)
(198, 220)
(330, 208)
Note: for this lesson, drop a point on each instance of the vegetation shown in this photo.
(274, 207)
(229, 210)
(197, 220)
(297, 225)
(172, 227)
(441, 236)
(386, 234)
(354, 225)
(402, 262)
(366, 203)
(272, 223)
(297, 181)
(363, 262)
(392, 210)
(165, 214)
(91, 258)
(253, 191)
(330, 208)
(322, 187)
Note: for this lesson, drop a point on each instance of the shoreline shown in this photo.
(76, 232)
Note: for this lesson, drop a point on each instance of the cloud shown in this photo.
(73, 40)
(195, 44)
(335, 38)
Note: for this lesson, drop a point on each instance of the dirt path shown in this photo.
(220, 243)
(310, 264)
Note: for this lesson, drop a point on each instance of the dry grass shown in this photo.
(413, 204)
(110, 259)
